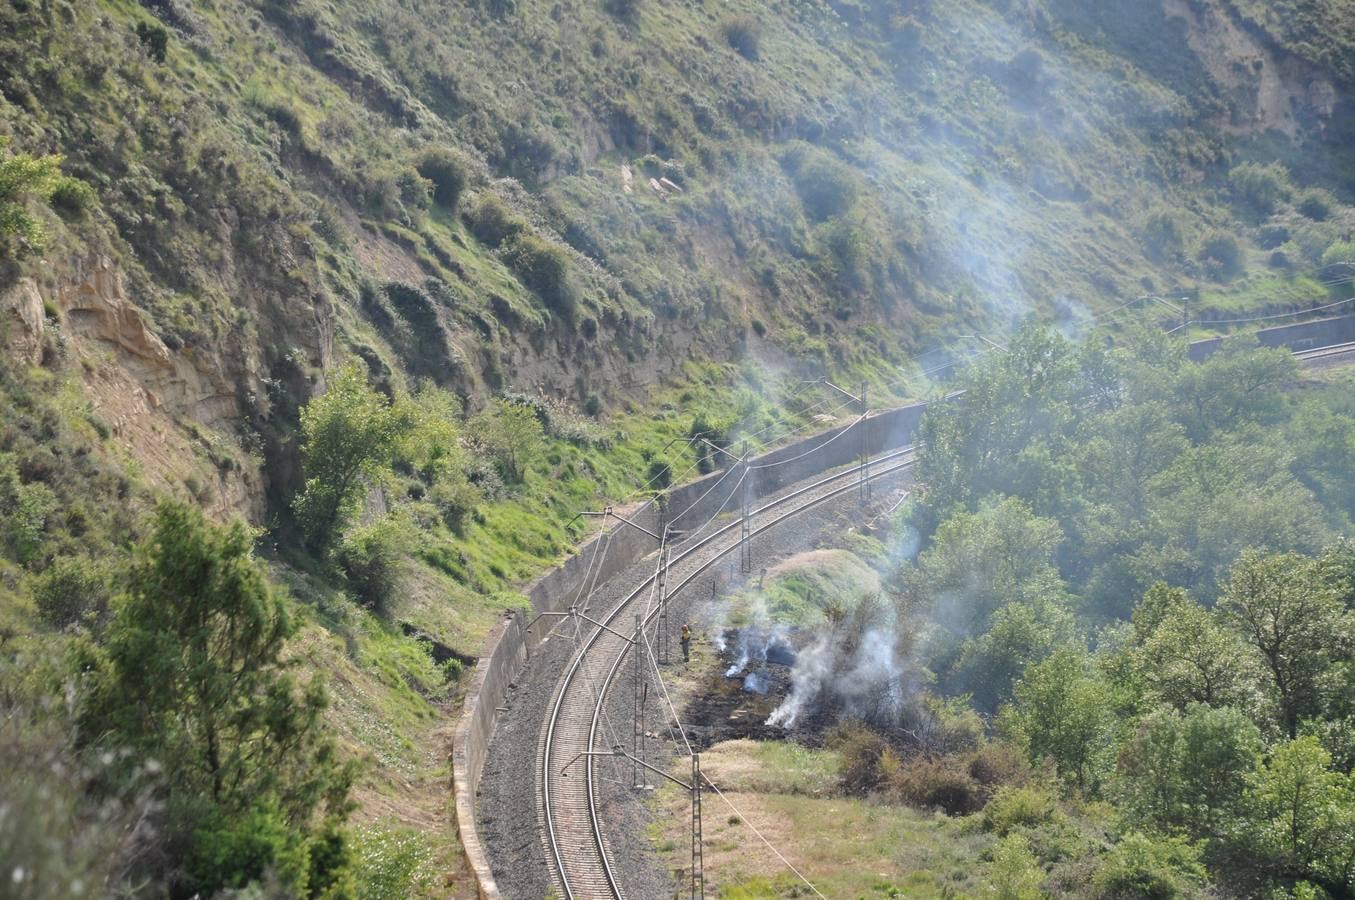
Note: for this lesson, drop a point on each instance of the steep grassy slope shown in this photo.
(641, 207)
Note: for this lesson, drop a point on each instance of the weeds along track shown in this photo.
(575, 841)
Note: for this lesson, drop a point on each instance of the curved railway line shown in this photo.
(576, 845)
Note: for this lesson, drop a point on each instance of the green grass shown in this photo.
(847, 846)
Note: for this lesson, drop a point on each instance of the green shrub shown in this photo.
(844, 253)
(492, 223)
(1260, 187)
(371, 557)
(33, 506)
(1338, 253)
(71, 587)
(625, 10)
(1163, 234)
(72, 197)
(1315, 204)
(1016, 872)
(195, 672)
(1222, 255)
(513, 436)
(1150, 868)
(659, 475)
(827, 188)
(154, 39)
(1027, 806)
(22, 178)
(230, 852)
(859, 751)
(448, 174)
(1273, 235)
(744, 34)
(543, 267)
(455, 499)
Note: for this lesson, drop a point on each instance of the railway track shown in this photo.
(1321, 353)
(575, 842)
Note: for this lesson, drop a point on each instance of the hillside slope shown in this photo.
(640, 218)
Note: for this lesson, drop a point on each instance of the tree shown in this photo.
(1236, 384)
(512, 435)
(1063, 711)
(195, 675)
(1193, 658)
(1284, 609)
(978, 562)
(1188, 770)
(349, 434)
(1022, 633)
(1303, 816)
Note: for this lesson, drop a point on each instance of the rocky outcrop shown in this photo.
(174, 412)
(1273, 89)
(22, 322)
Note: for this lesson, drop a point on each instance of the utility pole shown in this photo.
(745, 512)
(865, 447)
(661, 635)
(638, 709)
(698, 852)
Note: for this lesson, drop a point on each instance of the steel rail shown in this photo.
(1324, 352)
(554, 724)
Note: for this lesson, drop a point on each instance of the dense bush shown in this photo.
(543, 267)
(827, 188)
(448, 173)
(1020, 807)
(72, 197)
(1260, 188)
(744, 34)
(1315, 204)
(1163, 234)
(371, 557)
(1143, 867)
(23, 179)
(659, 475)
(71, 588)
(1339, 253)
(859, 751)
(511, 434)
(196, 675)
(1221, 253)
(349, 433)
(492, 222)
(927, 782)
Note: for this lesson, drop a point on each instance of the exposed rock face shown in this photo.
(22, 322)
(1280, 89)
(173, 412)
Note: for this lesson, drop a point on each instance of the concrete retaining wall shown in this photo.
(508, 645)
(1301, 336)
